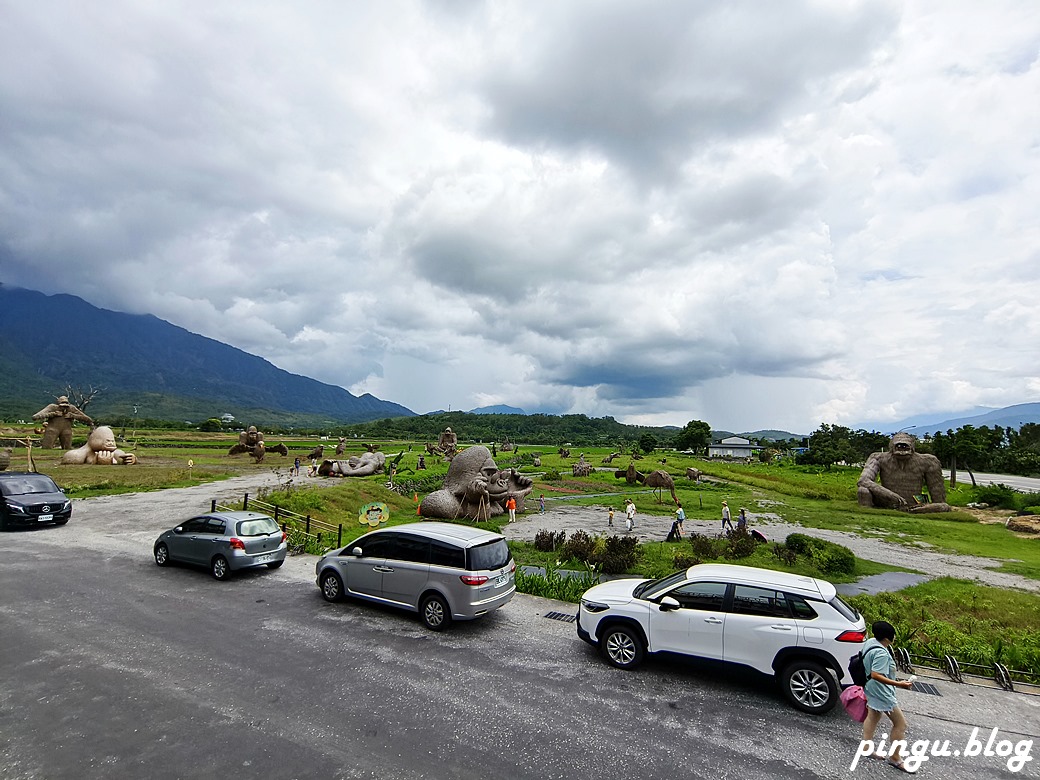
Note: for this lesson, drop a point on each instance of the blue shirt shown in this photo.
(876, 658)
(680, 514)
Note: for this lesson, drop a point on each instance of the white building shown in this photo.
(733, 447)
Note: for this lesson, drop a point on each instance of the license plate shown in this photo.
(44, 518)
(501, 580)
(267, 558)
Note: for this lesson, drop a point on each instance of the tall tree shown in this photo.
(695, 436)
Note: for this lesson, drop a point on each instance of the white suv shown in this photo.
(793, 628)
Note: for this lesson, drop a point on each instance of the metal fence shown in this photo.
(973, 674)
(303, 530)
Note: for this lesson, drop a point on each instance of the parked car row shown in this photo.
(794, 629)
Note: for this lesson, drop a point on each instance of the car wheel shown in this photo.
(220, 568)
(331, 586)
(275, 564)
(809, 687)
(435, 613)
(162, 555)
(622, 646)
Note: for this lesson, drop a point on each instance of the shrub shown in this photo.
(799, 543)
(704, 547)
(619, 554)
(579, 546)
(683, 560)
(552, 475)
(784, 554)
(548, 541)
(996, 495)
(828, 557)
(740, 544)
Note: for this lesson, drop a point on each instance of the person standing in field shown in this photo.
(511, 506)
(630, 514)
(725, 517)
(541, 504)
(610, 517)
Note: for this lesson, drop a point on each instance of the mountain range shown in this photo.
(150, 368)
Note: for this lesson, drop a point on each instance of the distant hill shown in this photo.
(50, 341)
(1008, 417)
(498, 409)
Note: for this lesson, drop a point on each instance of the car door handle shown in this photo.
(713, 620)
(383, 569)
(781, 628)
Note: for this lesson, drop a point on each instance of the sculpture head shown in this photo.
(474, 464)
(902, 445)
(102, 439)
(252, 429)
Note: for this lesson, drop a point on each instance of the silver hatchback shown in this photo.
(224, 542)
(443, 571)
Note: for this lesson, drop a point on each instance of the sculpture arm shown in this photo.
(46, 412)
(76, 414)
(933, 478)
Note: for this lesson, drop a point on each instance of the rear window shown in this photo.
(490, 555)
(261, 526)
(27, 485)
(849, 613)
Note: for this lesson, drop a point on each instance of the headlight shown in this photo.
(17, 509)
(593, 606)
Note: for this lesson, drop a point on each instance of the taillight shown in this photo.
(852, 636)
(512, 565)
(285, 536)
(237, 544)
(473, 579)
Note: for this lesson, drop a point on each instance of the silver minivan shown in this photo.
(443, 571)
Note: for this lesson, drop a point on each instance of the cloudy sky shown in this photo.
(757, 214)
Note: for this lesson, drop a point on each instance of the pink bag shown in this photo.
(855, 703)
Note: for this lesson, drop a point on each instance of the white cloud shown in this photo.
(759, 216)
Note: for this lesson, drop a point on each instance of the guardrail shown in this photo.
(301, 529)
(1008, 679)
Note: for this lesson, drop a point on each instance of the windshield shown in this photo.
(262, 526)
(27, 485)
(490, 555)
(660, 584)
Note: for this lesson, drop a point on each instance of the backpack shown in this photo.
(857, 669)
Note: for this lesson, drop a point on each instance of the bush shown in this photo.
(996, 495)
(548, 541)
(580, 546)
(740, 544)
(619, 554)
(800, 543)
(704, 547)
(683, 560)
(784, 554)
(828, 557)
(552, 475)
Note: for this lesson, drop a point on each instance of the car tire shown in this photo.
(809, 687)
(622, 646)
(331, 586)
(275, 564)
(162, 555)
(220, 568)
(436, 615)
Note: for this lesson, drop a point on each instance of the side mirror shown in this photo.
(669, 603)
(356, 552)
(179, 529)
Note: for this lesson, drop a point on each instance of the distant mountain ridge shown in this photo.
(48, 341)
(1008, 417)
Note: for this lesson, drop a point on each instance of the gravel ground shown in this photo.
(655, 528)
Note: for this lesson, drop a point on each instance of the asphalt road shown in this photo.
(1022, 484)
(111, 667)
